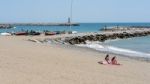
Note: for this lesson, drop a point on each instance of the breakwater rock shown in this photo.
(105, 36)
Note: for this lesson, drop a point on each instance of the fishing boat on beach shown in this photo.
(50, 33)
(33, 33)
(21, 33)
(5, 34)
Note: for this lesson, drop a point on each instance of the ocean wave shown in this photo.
(116, 50)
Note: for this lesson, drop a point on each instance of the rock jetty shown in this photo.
(108, 36)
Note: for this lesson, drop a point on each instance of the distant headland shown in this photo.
(47, 24)
(5, 26)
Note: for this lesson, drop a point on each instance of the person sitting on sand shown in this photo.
(106, 60)
(114, 61)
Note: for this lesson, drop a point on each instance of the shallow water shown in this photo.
(135, 47)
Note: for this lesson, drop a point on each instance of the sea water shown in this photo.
(84, 27)
(138, 46)
(134, 47)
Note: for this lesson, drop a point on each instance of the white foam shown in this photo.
(116, 50)
(129, 52)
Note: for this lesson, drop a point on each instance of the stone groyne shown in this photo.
(107, 36)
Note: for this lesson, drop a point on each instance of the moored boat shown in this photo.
(74, 32)
(50, 33)
(21, 33)
(33, 33)
(5, 34)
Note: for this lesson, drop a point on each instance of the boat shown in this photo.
(21, 33)
(74, 32)
(50, 33)
(5, 34)
(33, 33)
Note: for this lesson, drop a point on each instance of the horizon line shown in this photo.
(82, 22)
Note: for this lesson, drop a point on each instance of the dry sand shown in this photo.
(24, 62)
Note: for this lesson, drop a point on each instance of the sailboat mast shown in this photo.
(71, 14)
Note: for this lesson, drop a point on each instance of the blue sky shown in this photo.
(83, 10)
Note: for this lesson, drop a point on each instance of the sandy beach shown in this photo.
(24, 62)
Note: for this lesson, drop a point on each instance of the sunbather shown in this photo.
(114, 61)
(106, 61)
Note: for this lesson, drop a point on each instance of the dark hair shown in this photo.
(113, 58)
(106, 56)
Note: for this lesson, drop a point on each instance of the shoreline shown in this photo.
(61, 39)
(144, 59)
(52, 42)
(36, 40)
